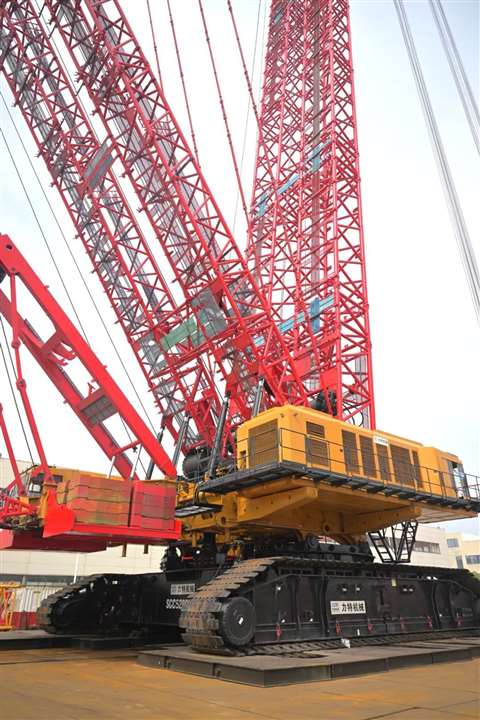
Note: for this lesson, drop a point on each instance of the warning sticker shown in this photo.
(347, 607)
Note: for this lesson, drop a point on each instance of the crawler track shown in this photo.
(282, 605)
(90, 605)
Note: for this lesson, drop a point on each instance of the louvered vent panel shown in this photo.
(316, 449)
(350, 452)
(402, 466)
(416, 469)
(368, 457)
(314, 429)
(263, 443)
(383, 462)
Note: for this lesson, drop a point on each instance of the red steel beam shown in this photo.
(65, 345)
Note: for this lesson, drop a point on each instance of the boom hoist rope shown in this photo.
(470, 107)
(154, 41)
(182, 80)
(249, 80)
(79, 272)
(72, 304)
(12, 390)
(461, 232)
(224, 114)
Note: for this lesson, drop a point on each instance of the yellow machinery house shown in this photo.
(307, 437)
(302, 469)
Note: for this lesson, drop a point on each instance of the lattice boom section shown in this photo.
(229, 316)
(306, 244)
(81, 168)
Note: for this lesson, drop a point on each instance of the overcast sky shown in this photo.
(426, 344)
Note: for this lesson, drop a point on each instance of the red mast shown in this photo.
(306, 246)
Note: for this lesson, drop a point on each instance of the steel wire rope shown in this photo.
(182, 80)
(224, 113)
(249, 78)
(57, 268)
(82, 278)
(458, 70)
(39, 225)
(7, 373)
(76, 93)
(461, 232)
(154, 41)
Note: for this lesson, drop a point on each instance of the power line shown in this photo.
(461, 232)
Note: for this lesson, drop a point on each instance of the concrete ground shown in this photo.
(66, 684)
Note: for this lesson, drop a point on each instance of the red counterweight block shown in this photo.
(153, 505)
(96, 500)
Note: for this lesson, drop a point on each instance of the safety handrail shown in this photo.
(282, 445)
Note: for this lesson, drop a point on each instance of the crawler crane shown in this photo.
(285, 478)
(249, 555)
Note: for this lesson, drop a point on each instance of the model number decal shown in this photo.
(182, 588)
(347, 607)
(176, 603)
(381, 440)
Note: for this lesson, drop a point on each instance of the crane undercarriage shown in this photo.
(235, 606)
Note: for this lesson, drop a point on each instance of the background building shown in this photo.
(464, 549)
(431, 547)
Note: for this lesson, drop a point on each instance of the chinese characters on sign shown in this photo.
(347, 607)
